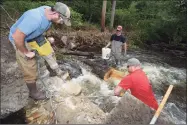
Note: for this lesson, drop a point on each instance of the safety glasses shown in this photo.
(62, 16)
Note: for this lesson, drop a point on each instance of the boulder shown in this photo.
(72, 88)
(79, 110)
(131, 110)
(14, 93)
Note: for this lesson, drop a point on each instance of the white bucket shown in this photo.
(106, 53)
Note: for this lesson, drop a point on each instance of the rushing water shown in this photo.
(160, 74)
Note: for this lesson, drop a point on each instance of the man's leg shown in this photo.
(43, 72)
(51, 60)
(113, 58)
(118, 58)
(29, 70)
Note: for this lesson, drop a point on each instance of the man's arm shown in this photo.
(117, 90)
(25, 27)
(125, 46)
(109, 43)
(125, 84)
(19, 37)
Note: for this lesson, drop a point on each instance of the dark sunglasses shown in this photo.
(118, 30)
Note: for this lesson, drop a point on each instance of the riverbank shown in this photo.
(149, 57)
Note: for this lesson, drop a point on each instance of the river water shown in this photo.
(160, 73)
(160, 70)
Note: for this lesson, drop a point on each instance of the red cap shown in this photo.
(119, 27)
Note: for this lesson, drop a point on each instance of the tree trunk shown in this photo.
(112, 14)
(77, 53)
(103, 16)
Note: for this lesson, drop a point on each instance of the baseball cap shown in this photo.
(119, 27)
(64, 12)
(133, 62)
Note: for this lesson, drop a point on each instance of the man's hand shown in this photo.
(29, 55)
(51, 40)
(117, 90)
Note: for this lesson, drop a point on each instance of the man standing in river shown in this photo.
(118, 45)
(26, 35)
(138, 84)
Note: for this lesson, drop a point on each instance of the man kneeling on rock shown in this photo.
(138, 84)
(26, 35)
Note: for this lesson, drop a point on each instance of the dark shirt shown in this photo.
(120, 38)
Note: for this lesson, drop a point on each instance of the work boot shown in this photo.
(34, 93)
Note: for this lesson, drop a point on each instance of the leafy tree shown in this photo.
(156, 21)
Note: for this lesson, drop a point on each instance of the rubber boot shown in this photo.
(34, 93)
(62, 74)
(105, 62)
(118, 63)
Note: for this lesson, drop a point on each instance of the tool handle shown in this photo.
(157, 113)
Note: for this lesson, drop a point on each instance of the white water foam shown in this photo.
(157, 74)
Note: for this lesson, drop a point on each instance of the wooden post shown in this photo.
(103, 16)
(112, 14)
(157, 113)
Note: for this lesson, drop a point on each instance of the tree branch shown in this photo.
(7, 13)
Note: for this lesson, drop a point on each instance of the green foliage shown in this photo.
(156, 21)
(87, 26)
(22, 6)
(90, 9)
(76, 18)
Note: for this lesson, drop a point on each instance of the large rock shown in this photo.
(130, 110)
(72, 88)
(79, 110)
(69, 104)
(14, 93)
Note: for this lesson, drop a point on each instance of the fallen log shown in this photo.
(77, 53)
(98, 66)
